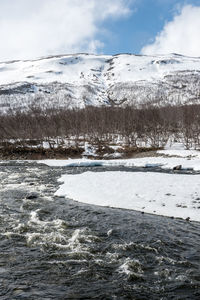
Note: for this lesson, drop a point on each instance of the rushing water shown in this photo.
(55, 248)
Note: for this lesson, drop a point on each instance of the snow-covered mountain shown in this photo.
(82, 79)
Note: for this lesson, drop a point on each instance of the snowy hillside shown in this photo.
(81, 79)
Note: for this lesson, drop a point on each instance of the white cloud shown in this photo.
(182, 35)
(33, 28)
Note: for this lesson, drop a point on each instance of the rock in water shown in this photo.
(32, 196)
(179, 167)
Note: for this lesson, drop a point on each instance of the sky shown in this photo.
(36, 28)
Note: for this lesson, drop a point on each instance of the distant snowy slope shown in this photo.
(82, 79)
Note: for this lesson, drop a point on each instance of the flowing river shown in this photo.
(56, 248)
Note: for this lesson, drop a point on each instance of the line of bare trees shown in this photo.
(152, 125)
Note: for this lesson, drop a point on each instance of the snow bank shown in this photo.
(180, 153)
(162, 162)
(155, 193)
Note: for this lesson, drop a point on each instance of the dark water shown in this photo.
(54, 248)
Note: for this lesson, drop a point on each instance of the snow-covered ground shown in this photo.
(155, 193)
(177, 149)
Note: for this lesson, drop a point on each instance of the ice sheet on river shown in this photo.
(157, 193)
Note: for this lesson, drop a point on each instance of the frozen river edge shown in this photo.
(167, 192)
(170, 195)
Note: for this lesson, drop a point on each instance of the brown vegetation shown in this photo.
(102, 126)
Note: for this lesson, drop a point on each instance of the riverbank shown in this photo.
(76, 152)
